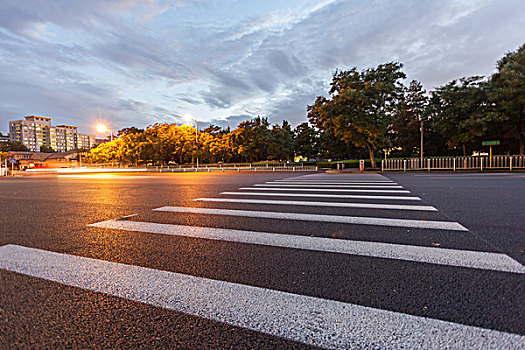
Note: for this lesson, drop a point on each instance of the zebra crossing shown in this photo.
(310, 320)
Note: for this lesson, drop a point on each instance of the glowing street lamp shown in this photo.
(102, 129)
(189, 119)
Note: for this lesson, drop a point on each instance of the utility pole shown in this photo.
(196, 146)
(421, 147)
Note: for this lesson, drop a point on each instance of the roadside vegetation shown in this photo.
(365, 114)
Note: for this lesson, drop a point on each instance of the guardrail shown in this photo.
(455, 163)
(205, 168)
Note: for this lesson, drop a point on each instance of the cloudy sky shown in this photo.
(138, 62)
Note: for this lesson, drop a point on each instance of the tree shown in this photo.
(106, 152)
(13, 146)
(461, 111)
(361, 106)
(46, 149)
(410, 120)
(130, 130)
(222, 147)
(251, 139)
(281, 145)
(508, 93)
(306, 141)
(213, 129)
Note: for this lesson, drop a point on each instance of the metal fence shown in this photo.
(455, 163)
(233, 167)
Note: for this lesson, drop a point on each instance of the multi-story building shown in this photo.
(36, 131)
(70, 135)
(33, 132)
(85, 141)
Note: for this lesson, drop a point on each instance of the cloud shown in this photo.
(140, 62)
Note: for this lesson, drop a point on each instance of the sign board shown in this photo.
(12, 160)
(490, 143)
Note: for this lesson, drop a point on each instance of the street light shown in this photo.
(189, 119)
(421, 140)
(102, 129)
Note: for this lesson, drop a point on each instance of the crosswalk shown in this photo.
(317, 199)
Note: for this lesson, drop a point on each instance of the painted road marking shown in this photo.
(321, 204)
(333, 183)
(337, 180)
(440, 256)
(280, 184)
(320, 184)
(358, 220)
(317, 189)
(330, 184)
(310, 320)
(353, 196)
(371, 177)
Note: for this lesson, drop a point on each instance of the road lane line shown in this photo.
(340, 180)
(310, 320)
(353, 184)
(357, 220)
(353, 196)
(328, 184)
(317, 189)
(439, 256)
(351, 177)
(280, 184)
(321, 204)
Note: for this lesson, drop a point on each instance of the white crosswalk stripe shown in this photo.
(354, 184)
(349, 184)
(320, 204)
(316, 188)
(264, 310)
(356, 220)
(336, 181)
(341, 196)
(441, 256)
(319, 185)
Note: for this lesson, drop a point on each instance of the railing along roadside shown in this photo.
(481, 163)
(249, 167)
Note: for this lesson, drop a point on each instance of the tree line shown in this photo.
(367, 113)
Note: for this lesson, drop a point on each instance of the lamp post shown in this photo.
(190, 120)
(421, 140)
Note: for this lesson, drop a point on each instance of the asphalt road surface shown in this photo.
(263, 260)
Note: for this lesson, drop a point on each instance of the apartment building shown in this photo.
(37, 131)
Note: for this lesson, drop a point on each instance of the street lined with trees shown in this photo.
(367, 113)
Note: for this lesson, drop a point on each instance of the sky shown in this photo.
(140, 62)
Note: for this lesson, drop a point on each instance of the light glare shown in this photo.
(101, 128)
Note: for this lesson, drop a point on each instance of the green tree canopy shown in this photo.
(281, 143)
(46, 149)
(251, 139)
(508, 93)
(461, 111)
(361, 106)
(12, 146)
(410, 119)
(306, 141)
